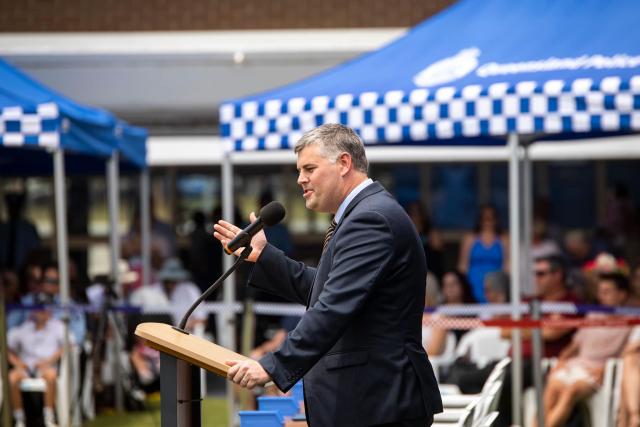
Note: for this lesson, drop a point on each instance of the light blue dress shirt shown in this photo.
(343, 206)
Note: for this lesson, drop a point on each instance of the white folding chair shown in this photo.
(39, 385)
(529, 406)
(482, 346)
(489, 402)
(601, 403)
(617, 392)
(488, 421)
(457, 417)
(461, 400)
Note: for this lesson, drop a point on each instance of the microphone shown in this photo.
(269, 215)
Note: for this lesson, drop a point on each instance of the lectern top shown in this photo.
(190, 348)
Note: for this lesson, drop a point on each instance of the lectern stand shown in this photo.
(180, 357)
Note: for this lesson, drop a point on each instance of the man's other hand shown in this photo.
(247, 373)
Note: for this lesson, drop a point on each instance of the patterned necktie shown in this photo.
(327, 236)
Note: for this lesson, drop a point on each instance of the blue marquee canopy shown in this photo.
(34, 116)
(479, 70)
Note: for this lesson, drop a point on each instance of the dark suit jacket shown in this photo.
(358, 346)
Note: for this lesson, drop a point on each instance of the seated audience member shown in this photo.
(51, 286)
(603, 263)
(175, 293)
(146, 365)
(35, 348)
(581, 364)
(496, 287)
(629, 415)
(464, 373)
(456, 290)
(103, 289)
(551, 286)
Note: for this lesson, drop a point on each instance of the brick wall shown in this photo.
(171, 15)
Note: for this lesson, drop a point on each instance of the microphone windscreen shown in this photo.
(272, 213)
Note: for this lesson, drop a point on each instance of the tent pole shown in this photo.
(114, 243)
(145, 225)
(527, 274)
(514, 243)
(527, 217)
(63, 271)
(227, 326)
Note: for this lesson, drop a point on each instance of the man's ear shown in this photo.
(344, 160)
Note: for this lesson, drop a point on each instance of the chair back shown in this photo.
(483, 345)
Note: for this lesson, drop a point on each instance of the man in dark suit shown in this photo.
(358, 345)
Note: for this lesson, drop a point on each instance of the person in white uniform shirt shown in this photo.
(35, 348)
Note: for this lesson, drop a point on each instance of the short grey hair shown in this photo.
(498, 281)
(333, 140)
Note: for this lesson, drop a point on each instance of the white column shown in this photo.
(114, 242)
(145, 224)
(227, 325)
(514, 243)
(63, 269)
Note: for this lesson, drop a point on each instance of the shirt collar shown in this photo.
(350, 197)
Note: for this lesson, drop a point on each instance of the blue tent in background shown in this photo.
(475, 74)
(35, 117)
(40, 130)
(480, 69)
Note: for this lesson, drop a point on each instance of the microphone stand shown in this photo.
(243, 256)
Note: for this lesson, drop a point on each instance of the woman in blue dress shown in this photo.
(483, 250)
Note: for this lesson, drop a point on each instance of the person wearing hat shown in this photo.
(181, 292)
(35, 347)
(173, 292)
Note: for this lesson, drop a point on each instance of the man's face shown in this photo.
(51, 281)
(547, 280)
(169, 286)
(41, 316)
(320, 180)
(493, 296)
(609, 294)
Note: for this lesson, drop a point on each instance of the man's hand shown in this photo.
(225, 232)
(247, 373)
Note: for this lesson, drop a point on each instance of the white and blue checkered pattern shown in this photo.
(556, 106)
(37, 126)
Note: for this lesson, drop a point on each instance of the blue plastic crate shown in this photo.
(261, 419)
(286, 406)
(297, 391)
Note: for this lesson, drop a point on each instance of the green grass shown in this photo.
(214, 414)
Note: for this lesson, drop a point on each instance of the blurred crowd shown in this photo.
(574, 266)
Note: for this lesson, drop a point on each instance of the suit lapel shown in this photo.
(371, 189)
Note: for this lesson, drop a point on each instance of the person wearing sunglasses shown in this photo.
(550, 286)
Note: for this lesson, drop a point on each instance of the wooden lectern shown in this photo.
(181, 355)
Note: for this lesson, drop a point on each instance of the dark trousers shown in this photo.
(420, 422)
